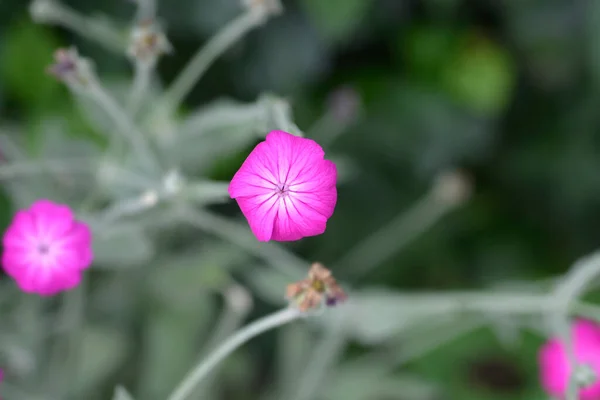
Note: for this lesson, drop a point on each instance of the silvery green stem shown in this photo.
(276, 255)
(54, 12)
(130, 206)
(238, 302)
(21, 168)
(187, 386)
(320, 361)
(430, 342)
(139, 87)
(146, 9)
(449, 191)
(568, 291)
(282, 116)
(204, 58)
(392, 237)
(126, 126)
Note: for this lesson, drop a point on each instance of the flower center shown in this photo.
(43, 249)
(318, 285)
(282, 190)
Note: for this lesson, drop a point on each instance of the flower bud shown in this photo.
(75, 71)
(148, 42)
(318, 290)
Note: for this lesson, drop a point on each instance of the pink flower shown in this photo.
(555, 368)
(46, 249)
(285, 188)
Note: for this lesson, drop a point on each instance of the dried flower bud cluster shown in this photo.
(77, 72)
(320, 288)
(148, 42)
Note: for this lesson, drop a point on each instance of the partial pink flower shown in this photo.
(285, 188)
(46, 248)
(555, 369)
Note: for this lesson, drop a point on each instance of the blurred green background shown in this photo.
(397, 91)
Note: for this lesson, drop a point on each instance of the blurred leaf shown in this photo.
(593, 32)
(122, 394)
(354, 381)
(213, 132)
(427, 50)
(435, 134)
(102, 352)
(294, 349)
(378, 315)
(192, 274)
(270, 284)
(207, 192)
(347, 168)
(122, 247)
(474, 367)
(27, 51)
(56, 141)
(97, 117)
(481, 76)
(171, 337)
(336, 19)
(277, 66)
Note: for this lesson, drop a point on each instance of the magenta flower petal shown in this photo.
(285, 188)
(555, 369)
(45, 249)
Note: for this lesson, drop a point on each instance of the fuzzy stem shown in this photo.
(207, 54)
(392, 237)
(276, 255)
(139, 87)
(21, 168)
(320, 361)
(281, 317)
(54, 12)
(238, 303)
(127, 127)
(146, 9)
(568, 291)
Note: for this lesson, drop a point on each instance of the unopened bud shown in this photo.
(75, 71)
(452, 187)
(148, 42)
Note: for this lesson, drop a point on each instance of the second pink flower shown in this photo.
(285, 188)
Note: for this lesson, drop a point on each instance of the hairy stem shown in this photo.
(277, 256)
(581, 275)
(205, 57)
(139, 87)
(187, 386)
(127, 127)
(320, 361)
(392, 237)
(90, 28)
